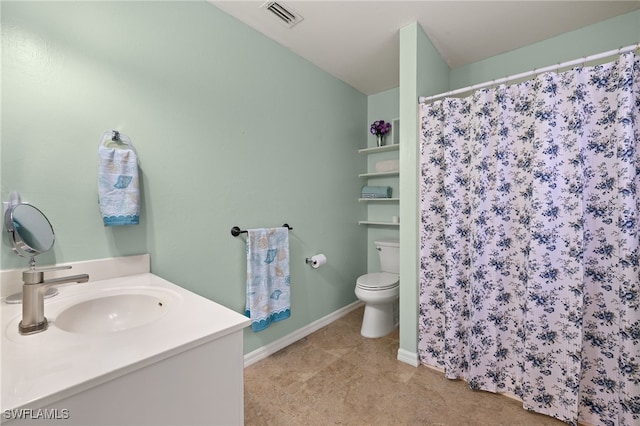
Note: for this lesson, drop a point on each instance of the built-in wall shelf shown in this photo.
(379, 200)
(378, 174)
(379, 207)
(383, 148)
(372, 222)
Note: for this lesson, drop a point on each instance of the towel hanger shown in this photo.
(115, 139)
(235, 231)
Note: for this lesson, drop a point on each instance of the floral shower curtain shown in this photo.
(530, 276)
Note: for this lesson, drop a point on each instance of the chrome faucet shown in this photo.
(33, 288)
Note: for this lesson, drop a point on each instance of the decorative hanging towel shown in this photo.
(268, 280)
(118, 190)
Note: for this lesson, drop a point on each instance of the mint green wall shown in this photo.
(230, 127)
(381, 106)
(423, 73)
(610, 34)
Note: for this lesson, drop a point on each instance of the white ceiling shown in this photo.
(357, 41)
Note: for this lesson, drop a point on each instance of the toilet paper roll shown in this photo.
(318, 260)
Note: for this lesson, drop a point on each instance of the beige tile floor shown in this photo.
(336, 376)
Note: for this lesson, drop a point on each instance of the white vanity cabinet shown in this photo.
(200, 386)
(184, 367)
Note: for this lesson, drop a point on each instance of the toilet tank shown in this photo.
(389, 252)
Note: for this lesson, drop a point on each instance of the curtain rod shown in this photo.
(597, 56)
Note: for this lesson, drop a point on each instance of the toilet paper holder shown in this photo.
(316, 261)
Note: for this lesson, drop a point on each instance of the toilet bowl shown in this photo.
(379, 291)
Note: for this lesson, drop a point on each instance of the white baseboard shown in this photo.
(407, 357)
(273, 347)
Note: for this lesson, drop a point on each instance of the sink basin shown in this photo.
(112, 313)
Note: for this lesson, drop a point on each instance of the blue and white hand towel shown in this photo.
(268, 279)
(118, 190)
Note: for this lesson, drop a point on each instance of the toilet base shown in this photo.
(378, 320)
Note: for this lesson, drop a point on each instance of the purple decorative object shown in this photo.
(380, 128)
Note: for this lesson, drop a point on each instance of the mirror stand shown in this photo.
(8, 208)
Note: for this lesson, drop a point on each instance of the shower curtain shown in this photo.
(529, 241)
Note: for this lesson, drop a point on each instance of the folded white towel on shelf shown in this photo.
(387, 166)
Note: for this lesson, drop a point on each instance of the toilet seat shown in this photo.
(378, 281)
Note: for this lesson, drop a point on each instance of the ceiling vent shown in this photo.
(285, 14)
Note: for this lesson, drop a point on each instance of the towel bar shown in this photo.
(235, 231)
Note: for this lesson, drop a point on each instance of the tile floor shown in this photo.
(335, 376)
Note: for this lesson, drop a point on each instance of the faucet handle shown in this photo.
(36, 275)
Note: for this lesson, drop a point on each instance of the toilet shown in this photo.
(379, 291)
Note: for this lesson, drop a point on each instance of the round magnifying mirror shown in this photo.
(31, 231)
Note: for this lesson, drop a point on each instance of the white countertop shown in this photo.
(42, 368)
